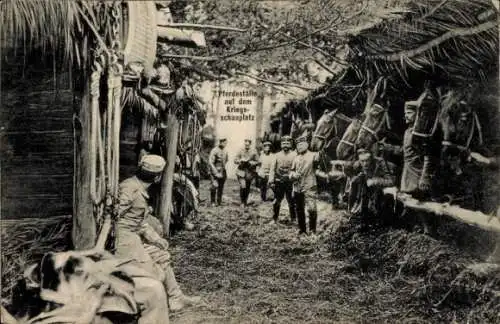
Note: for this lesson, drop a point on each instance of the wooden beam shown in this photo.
(200, 26)
(276, 82)
(184, 37)
(475, 218)
(84, 225)
(457, 32)
(167, 184)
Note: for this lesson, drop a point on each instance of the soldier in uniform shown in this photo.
(418, 176)
(247, 160)
(417, 168)
(265, 160)
(135, 236)
(303, 174)
(217, 161)
(369, 175)
(279, 178)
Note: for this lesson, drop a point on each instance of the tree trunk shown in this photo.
(84, 226)
(167, 184)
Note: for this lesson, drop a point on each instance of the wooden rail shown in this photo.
(475, 218)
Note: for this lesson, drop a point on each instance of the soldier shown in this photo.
(137, 239)
(247, 160)
(303, 176)
(369, 176)
(265, 161)
(217, 161)
(279, 178)
(417, 168)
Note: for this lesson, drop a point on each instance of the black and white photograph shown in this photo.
(249, 161)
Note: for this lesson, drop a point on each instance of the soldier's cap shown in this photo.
(363, 151)
(286, 138)
(302, 139)
(266, 143)
(152, 163)
(411, 105)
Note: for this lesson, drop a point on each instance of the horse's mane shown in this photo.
(449, 102)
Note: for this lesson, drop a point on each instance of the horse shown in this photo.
(374, 126)
(346, 148)
(461, 132)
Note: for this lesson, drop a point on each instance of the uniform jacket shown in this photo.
(417, 162)
(218, 159)
(265, 160)
(281, 166)
(132, 226)
(247, 161)
(303, 168)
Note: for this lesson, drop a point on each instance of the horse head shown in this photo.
(375, 117)
(460, 126)
(346, 149)
(375, 123)
(324, 131)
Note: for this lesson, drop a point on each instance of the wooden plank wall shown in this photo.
(36, 135)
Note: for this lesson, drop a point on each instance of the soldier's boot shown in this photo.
(176, 298)
(212, 196)
(276, 212)
(293, 213)
(313, 218)
(242, 196)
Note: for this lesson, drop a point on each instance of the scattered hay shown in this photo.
(25, 241)
(439, 280)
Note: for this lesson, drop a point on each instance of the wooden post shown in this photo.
(84, 226)
(167, 184)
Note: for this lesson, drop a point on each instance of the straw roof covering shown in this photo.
(457, 39)
(451, 44)
(60, 29)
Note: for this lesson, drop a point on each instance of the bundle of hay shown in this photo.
(25, 241)
(433, 275)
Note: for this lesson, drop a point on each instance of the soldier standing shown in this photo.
(265, 160)
(279, 178)
(304, 185)
(217, 162)
(247, 160)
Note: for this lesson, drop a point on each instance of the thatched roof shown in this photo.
(457, 40)
(447, 43)
(63, 30)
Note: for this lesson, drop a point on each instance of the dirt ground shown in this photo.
(248, 271)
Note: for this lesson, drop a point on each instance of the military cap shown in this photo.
(286, 138)
(411, 105)
(363, 151)
(266, 143)
(152, 163)
(301, 139)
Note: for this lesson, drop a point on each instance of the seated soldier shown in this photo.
(369, 175)
(137, 239)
